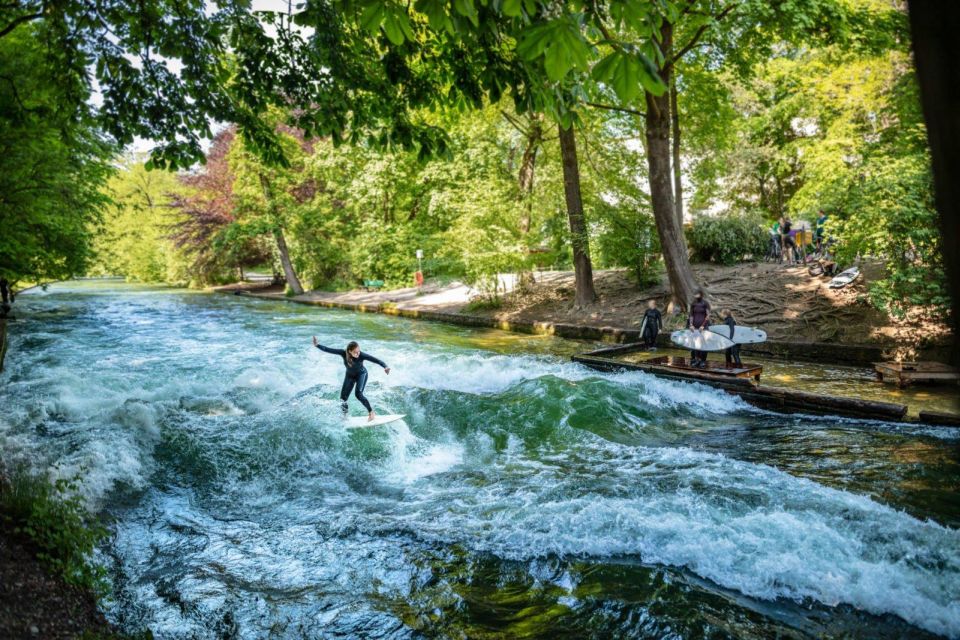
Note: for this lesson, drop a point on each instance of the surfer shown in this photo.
(733, 353)
(652, 324)
(698, 320)
(356, 376)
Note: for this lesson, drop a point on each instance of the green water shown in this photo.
(523, 496)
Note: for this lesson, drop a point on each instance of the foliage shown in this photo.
(54, 519)
(728, 239)
(203, 231)
(892, 215)
(52, 165)
(135, 241)
(842, 131)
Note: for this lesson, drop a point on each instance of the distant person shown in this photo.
(732, 353)
(356, 376)
(819, 230)
(698, 320)
(652, 324)
(775, 254)
(786, 238)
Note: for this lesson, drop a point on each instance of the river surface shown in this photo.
(523, 496)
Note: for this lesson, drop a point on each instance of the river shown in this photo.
(524, 496)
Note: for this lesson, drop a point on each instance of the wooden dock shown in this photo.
(714, 369)
(906, 373)
(746, 387)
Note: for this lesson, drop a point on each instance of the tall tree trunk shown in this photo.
(677, 180)
(527, 167)
(288, 272)
(292, 280)
(579, 239)
(672, 243)
(935, 48)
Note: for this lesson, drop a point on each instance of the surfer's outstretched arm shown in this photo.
(374, 359)
(336, 352)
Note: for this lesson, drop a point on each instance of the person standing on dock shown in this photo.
(698, 320)
(652, 324)
(733, 353)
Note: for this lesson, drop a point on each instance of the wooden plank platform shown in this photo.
(750, 371)
(770, 398)
(905, 373)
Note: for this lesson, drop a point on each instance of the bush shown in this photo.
(728, 239)
(54, 520)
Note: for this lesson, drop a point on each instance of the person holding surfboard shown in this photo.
(356, 376)
(732, 353)
(698, 320)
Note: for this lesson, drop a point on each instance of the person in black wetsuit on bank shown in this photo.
(652, 323)
(698, 319)
(733, 353)
(356, 375)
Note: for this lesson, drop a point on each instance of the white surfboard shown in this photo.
(358, 422)
(844, 278)
(741, 335)
(700, 340)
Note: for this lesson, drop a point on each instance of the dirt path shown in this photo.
(788, 303)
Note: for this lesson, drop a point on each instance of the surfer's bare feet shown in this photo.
(371, 416)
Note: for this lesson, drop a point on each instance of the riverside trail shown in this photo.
(522, 496)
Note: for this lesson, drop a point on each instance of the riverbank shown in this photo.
(48, 586)
(36, 604)
(804, 319)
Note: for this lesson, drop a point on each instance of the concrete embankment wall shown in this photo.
(829, 353)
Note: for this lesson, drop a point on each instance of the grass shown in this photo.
(484, 304)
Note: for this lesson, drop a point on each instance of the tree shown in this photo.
(52, 165)
(135, 237)
(267, 196)
(934, 34)
(204, 229)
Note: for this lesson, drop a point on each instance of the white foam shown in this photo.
(746, 527)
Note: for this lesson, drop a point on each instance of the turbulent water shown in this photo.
(523, 496)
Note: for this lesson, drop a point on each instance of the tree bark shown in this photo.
(288, 272)
(583, 270)
(935, 47)
(672, 243)
(677, 178)
(292, 280)
(527, 169)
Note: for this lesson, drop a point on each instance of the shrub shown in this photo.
(728, 239)
(54, 520)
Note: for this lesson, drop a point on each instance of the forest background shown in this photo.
(758, 110)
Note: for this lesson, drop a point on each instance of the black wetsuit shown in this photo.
(356, 375)
(733, 353)
(652, 323)
(699, 314)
